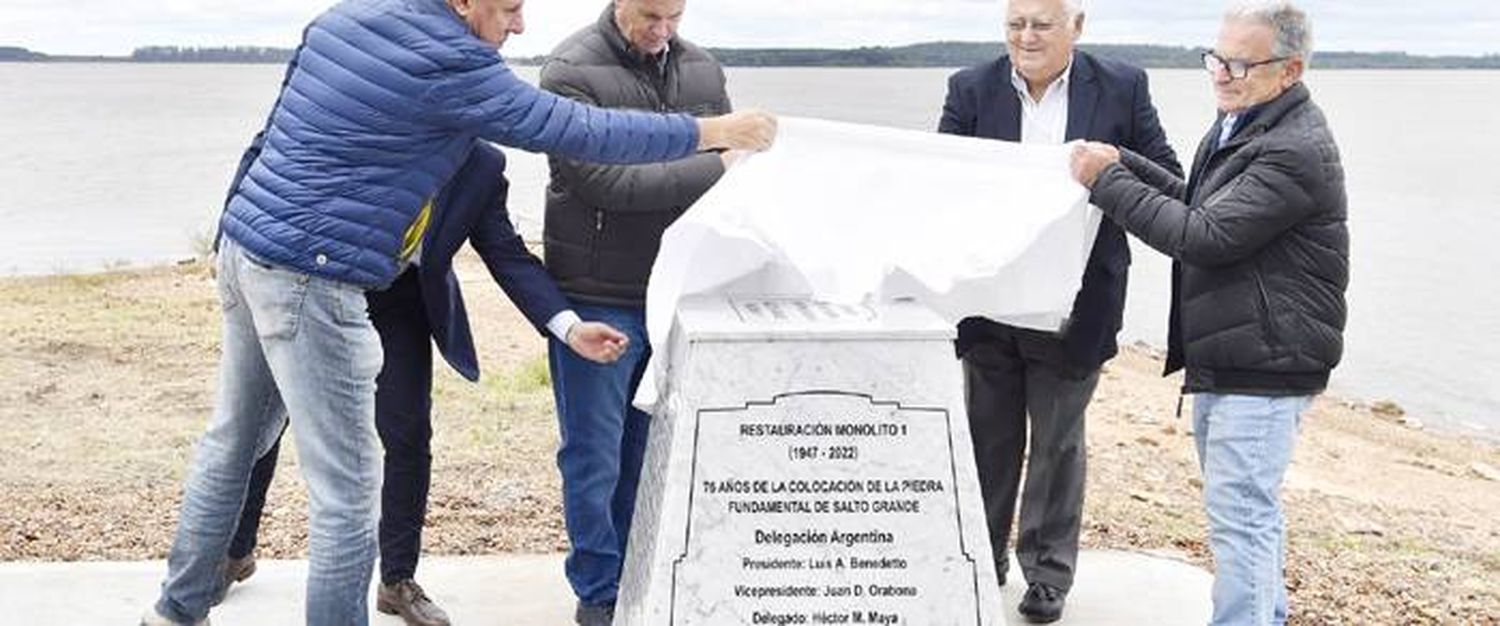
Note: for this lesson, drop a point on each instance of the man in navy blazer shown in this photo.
(425, 306)
(1044, 91)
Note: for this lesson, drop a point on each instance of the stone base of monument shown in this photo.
(812, 465)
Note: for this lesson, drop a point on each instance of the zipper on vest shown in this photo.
(598, 221)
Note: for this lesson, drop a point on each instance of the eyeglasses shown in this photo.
(1235, 68)
(1040, 27)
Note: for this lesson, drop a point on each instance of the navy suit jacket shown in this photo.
(470, 207)
(1108, 101)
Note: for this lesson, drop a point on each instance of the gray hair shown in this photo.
(1072, 8)
(1290, 24)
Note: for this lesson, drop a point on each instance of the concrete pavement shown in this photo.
(1113, 588)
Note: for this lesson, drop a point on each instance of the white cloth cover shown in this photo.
(853, 213)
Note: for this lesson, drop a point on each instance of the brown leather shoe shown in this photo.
(406, 599)
(237, 570)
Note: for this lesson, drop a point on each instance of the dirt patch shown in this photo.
(1383, 526)
(107, 380)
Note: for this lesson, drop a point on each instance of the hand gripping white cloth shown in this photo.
(852, 213)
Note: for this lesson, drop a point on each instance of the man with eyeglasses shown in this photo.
(1045, 92)
(1261, 256)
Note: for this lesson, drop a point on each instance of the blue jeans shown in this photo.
(403, 418)
(1244, 447)
(603, 445)
(299, 344)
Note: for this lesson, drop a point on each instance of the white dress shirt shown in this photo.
(1226, 128)
(1044, 121)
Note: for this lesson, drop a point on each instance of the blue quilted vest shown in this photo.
(381, 105)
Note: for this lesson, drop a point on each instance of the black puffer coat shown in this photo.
(1261, 250)
(604, 224)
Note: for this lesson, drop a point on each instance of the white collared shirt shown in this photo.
(1226, 128)
(1044, 121)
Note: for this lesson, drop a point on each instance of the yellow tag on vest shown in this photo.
(414, 233)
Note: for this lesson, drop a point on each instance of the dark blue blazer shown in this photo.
(1108, 101)
(470, 207)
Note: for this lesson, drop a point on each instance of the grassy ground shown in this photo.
(106, 380)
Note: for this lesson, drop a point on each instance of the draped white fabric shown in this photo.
(852, 213)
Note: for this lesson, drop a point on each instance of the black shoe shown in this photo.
(1043, 603)
(594, 615)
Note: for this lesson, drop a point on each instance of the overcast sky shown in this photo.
(115, 27)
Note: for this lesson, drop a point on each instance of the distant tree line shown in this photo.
(11, 53)
(962, 54)
(233, 54)
(936, 54)
(1402, 61)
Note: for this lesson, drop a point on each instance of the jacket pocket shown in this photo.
(1267, 315)
(595, 238)
(628, 244)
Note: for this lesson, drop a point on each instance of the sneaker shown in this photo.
(237, 570)
(406, 599)
(1042, 604)
(152, 618)
(594, 615)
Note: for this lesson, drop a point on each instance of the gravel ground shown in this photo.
(106, 381)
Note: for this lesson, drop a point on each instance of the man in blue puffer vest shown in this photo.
(385, 100)
(425, 306)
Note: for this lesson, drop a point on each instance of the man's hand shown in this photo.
(597, 341)
(741, 130)
(1090, 158)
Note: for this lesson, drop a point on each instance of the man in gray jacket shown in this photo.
(1262, 263)
(603, 227)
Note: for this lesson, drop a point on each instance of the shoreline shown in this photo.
(1392, 409)
(106, 381)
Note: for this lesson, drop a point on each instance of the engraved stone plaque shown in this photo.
(813, 466)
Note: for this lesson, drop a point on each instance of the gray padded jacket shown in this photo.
(604, 224)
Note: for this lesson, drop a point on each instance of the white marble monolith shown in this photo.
(811, 465)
